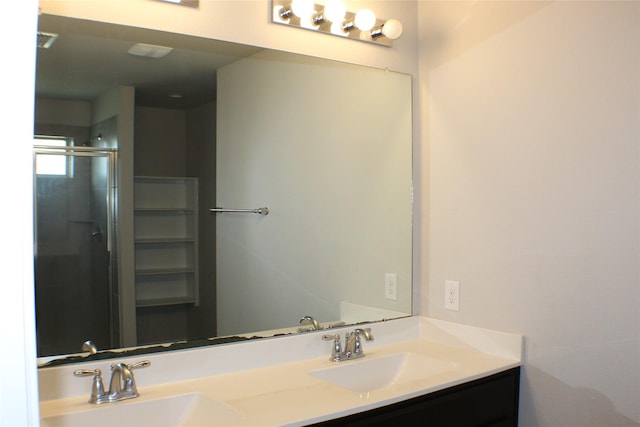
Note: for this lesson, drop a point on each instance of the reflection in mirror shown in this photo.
(194, 124)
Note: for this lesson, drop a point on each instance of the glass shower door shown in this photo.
(73, 203)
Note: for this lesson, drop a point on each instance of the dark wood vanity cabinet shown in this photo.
(487, 402)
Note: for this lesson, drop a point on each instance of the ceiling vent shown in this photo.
(149, 50)
(45, 40)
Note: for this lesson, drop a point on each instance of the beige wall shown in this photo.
(534, 135)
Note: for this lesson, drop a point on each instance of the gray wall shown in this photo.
(336, 177)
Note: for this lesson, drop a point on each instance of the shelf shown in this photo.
(168, 286)
(164, 271)
(165, 225)
(159, 193)
(154, 302)
(153, 241)
(166, 241)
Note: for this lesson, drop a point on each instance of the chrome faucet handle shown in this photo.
(336, 350)
(141, 364)
(98, 394)
(129, 379)
(130, 382)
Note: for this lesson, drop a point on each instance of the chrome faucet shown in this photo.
(309, 320)
(90, 347)
(352, 344)
(121, 387)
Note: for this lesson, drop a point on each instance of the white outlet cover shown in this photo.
(452, 295)
(391, 286)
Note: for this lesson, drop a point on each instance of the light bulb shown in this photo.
(365, 20)
(302, 8)
(334, 10)
(392, 29)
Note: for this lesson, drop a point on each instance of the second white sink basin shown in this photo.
(368, 374)
(186, 410)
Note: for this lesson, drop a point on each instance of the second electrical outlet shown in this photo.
(391, 286)
(452, 295)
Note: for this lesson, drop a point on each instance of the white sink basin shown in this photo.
(368, 374)
(186, 410)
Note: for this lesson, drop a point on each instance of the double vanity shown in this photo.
(408, 368)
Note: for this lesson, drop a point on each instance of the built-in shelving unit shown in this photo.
(166, 241)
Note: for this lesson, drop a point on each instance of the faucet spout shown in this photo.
(353, 345)
(366, 333)
(309, 320)
(123, 383)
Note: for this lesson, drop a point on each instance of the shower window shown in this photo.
(53, 164)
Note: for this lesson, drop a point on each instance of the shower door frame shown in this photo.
(111, 223)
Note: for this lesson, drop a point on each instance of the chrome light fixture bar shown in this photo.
(331, 17)
(190, 3)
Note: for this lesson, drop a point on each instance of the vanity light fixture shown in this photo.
(332, 17)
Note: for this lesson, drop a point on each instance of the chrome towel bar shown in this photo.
(259, 211)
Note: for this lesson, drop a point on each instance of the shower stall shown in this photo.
(75, 260)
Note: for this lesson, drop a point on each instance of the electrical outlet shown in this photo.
(452, 295)
(391, 286)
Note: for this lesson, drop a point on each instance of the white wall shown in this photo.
(321, 154)
(534, 135)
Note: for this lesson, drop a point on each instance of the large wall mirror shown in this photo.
(140, 133)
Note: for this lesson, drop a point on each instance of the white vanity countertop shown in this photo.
(268, 381)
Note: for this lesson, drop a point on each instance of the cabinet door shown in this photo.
(487, 402)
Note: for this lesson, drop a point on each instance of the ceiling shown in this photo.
(88, 58)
